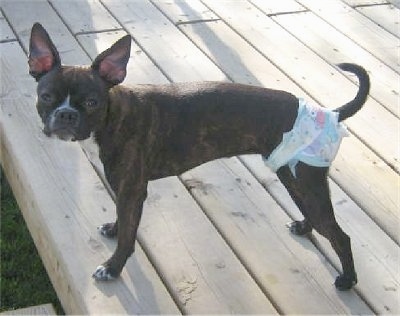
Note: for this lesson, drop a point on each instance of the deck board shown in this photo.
(78, 21)
(239, 60)
(200, 276)
(278, 7)
(23, 13)
(359, 28)
(354, 3)
(386, 16)
(396, 3)
(334, 47)
(6, 34)
(254, 265)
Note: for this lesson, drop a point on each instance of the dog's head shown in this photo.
(72, 100)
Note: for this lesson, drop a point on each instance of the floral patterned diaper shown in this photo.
(314, 139)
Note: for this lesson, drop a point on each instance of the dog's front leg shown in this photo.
(129, 211)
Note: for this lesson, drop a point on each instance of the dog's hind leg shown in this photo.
(288, 180)
(310, 191)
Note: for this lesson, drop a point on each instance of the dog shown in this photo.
(145, 132)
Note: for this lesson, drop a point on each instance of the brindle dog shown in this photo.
(145, 132)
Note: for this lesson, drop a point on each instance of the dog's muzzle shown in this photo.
(64, 123)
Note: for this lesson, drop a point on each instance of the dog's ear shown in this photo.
(111, 64)
(43, 55)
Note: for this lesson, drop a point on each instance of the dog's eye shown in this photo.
(46, 97)
(91, 103)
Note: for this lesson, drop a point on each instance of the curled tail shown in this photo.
(350, 108)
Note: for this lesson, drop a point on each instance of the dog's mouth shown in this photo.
(65, 134)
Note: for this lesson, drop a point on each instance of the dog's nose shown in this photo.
(67, 117)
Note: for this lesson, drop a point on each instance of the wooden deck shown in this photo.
(213, 240)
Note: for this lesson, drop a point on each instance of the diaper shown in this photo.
(314, 139)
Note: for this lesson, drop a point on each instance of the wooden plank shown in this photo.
(6, 34)
(85, 16)
(386, 16)
(186, 11)
(377, 257)
(272, 7)
(160, 40)
(396, 3)
(22, 14)
(239, 61)
(355, 3)
(359, 28)
(222, 45)
(210, 279)
(208, 269)
(374, 125)
(199, 280)
(384, 13)
(335, 47)
(45, 309)
(62, 200)
(377, 191)
(288, 267)
(357, 172)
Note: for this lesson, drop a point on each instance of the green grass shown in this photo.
(23, 279)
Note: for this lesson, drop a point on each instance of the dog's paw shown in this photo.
(104, 273)
(299, 227)
(344, 282)
(108, 230)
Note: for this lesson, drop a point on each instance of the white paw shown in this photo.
(108, 230)
(103, 231)
(102, 274)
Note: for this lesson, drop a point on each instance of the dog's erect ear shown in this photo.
(43, 55)
(111, 64)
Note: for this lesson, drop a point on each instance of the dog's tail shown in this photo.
(350, 108)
